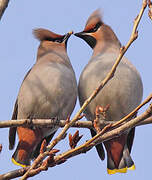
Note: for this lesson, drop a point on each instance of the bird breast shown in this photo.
(123, 92)
(46, 90)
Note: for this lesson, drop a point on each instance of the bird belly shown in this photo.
(122, 93)
(47, 95)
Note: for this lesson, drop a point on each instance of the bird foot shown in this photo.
(73, 140)
(56, 121)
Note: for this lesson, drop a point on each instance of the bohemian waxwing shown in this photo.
(122, 93)
(49, 90)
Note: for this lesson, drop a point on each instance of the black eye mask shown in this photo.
(59, 40)
(95, 28)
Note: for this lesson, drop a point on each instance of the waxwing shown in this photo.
(49, 90)
(122, 93)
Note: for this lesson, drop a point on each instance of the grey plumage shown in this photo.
(49, 90)
(123, 92)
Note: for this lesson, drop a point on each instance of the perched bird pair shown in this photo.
(50, 90)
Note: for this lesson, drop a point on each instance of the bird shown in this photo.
(48, 91)
(121, 94)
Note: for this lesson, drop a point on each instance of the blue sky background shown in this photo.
(18, 54)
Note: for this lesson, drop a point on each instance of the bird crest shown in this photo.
(94, 19)
(46, 35)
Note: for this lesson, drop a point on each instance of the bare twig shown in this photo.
(103, 135)
(13, 174)
(3, 6)
(133, 112)
(78, 124)
(146, 121)
(150, 9)
(106, 134)
(61, 123)
(73, 140)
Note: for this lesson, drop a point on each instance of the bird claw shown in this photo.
(56, 121)
(73, 140)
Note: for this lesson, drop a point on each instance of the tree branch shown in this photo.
(79, 124)
(150, 9)
(3, 6)
(105, 134)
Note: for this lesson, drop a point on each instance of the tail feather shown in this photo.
(28, 141)
(37, 150)
(12, 130)
(12, 137)
(127, 158)
(125, 164)
(118, 155)
(130, 139)
(21, 156)
(99, 147)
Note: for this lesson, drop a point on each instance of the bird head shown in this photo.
(51, 42)
(96, 32)
(51, 37)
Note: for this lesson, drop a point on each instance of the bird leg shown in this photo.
(56, 121)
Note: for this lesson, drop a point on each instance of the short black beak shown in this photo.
(66, 37)
(80, 34)
(91, 41)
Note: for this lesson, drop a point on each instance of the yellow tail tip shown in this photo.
(123, 170)
(18, 164)
(113, 171)
(133, 167)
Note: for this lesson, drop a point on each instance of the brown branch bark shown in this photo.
(133, 112)
(105, 134)
(61, 123)
(150, 9)
(3, 6)
(78, 124)
(13, 174)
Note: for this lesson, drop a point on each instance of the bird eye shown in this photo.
(95, 28)
(58, 40)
